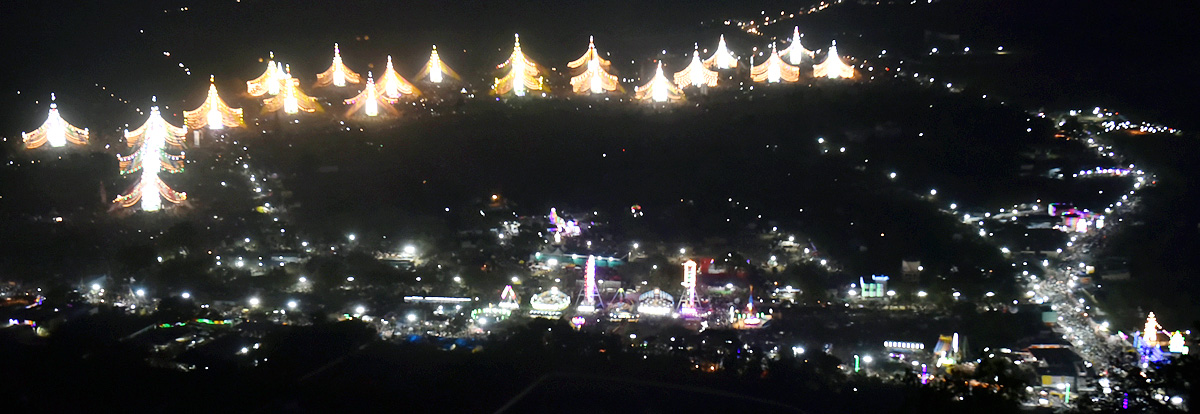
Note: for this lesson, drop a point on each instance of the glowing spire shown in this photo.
(833, 67)
(508, 298)
(55, 131)
(370, 100)
(269, 82)
(338, 74)
(435, 70)
(589, 297)
(1150, 330)
(696, 74)
(150, 158)
(659, 89)
(292, 100)
(722, 58)
(213, 113)
(774, 70)
(393, 85)
(522, 75)
(796, 51)
(687, 304)
(597, 77)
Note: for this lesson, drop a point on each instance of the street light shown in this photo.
(412, 317)
(255, 301)
(186, 295)
(410, 249)
(141, 292)
(360, 310)
(292, 304)
(922, 294)
(351, 237)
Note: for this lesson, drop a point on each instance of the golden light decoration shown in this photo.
(371, 100)
(55, 131)
(774, 70)
(291, 100)
(152, 140)
(523, 74)
(696, 74)
(213, 113)
(659, 89)
(435, 70)
(796, 52)
(596, 76)
(392, 85)
(338, 74)
(722, 58)
(269, 82)
(833, 67)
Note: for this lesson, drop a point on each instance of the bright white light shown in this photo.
(683, 250)
(552, 262)
(186, 295)
(867, 359)
(254, 301)
(932, 192)
(303, 279)
(516, 279)
(990, 294)
(457, 279)
(141, 292)
(292, 304)
(412, 317)
(95, 286)
(797, 350)
(410, 249)
(922, 294)
(351, 237)
(635, 245)
(892, 176)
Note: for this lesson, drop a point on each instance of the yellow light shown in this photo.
(596, 77)
(659, 89)
(722, 58)
(435, 70)
(213, 113)
(796, 51)
(55, 131)
(833, 67)
(696, 74)
(371, 100)
(523, 74)
(338, 74)
(774, 70)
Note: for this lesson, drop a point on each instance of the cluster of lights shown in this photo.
(213, 113)
(370, 100)
(833, 67)
(392, 85)
(150, 157)
(656, 303)
(435, 70)
(270, 82)
(774, 70)
(552, 300)
(291, 99)
(796, 51)
(659, 89)
(689, 302)
(597, 74)
(696, 73)
(523, 74)
(338, 74)
(55, 131)
(722, 58)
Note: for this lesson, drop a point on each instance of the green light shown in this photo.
(856, 363)
(1067, 395)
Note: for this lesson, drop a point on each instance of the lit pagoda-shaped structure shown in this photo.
(338, 74)
(152, 141)
(522, 74)
(696, 73)
(774, 70)
(1150, 330)
(290, 99)
(55, 131)
(435, 70)
(393, 85)
(596, 76)
(213, 113)
(371, 100)
(833, 67)
(722, 58)
(270, 82)
(659, 89)
(689, 303)
(796, 52)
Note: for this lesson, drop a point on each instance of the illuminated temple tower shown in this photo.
(523, 74)
(371, 100)
(833, 67)
(55, 131)
(290, 99)
(435, 70)
(659, 89)
(689, 303)
(213, 113)
(152, 140)
(774, 70)
(589, 297)
(796, 52)
(722, 58)
(696, 74)
(392, 85)
(270, 82)
(338, 74)
(596, 76)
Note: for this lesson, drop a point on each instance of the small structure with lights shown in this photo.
(775, 70)
(370, 101)
(338, 74)
(689, 302)
(594, 73)
(394, 86)
(55, 131)
(833, 67)
(150, 157)
(722, 58)
(291, 100)
(795, 51)
(270, 82)
(213, 114)
(696, 74)
(589, 296)
(521, 74)
(549, 304)
(655, 302)
(436, 71)
(659, 89)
